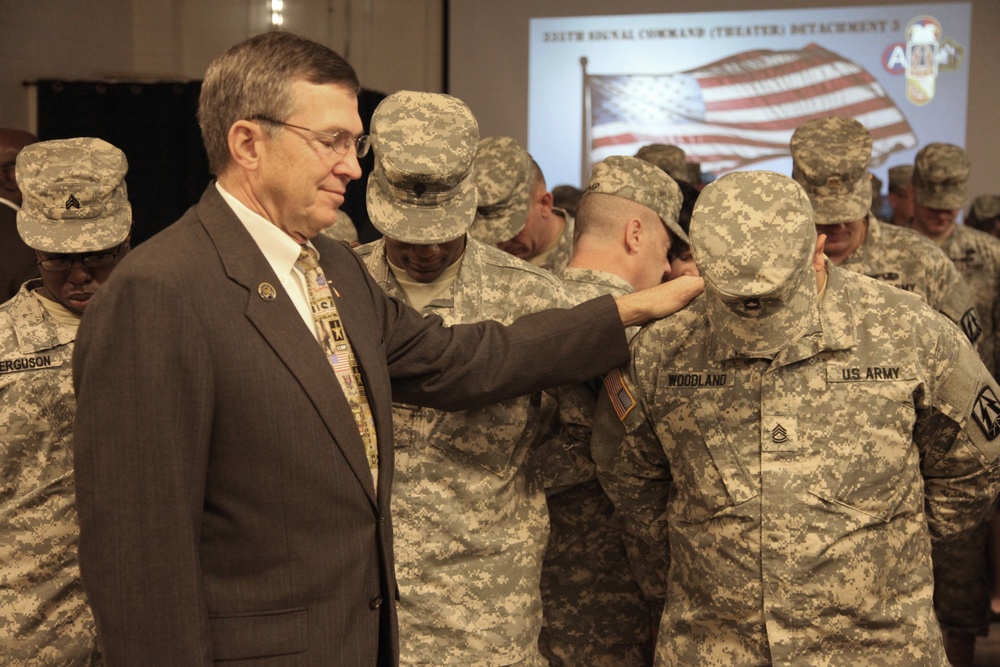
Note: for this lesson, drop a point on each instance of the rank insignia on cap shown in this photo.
(72, 202)
(267, 291)
(986, 413)
(621, 397)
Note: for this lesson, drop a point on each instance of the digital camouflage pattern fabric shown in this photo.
(44, 616)
(595, 611)
(798, 491)
(900, 177)
(504, 179)
(976, 255)
(558, 258)
(671, 159)
(422, 189)
(342, 229)
(75, 198)
(985, 207)
(940, 176)
(762, 293)
(830, 159)
(469, 516)
(638, 181)
(904, 259)
(961, 567)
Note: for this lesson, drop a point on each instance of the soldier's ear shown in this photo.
(633, 235)
(546, 200)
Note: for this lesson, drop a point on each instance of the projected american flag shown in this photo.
(741, 109)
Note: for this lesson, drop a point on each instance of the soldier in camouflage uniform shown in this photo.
(939, 186)
(900, 197)
(961, 569)
(515, 210)
(77, 218)
(342, 229)
(595, 612)
(470, 521)
(798, 436)
(984, 214)
(671, 159)
(830, 161)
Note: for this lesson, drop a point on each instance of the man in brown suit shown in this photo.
(233, 494)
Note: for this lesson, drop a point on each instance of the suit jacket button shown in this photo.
(375, 602)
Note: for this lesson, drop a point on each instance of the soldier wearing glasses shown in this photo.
(76, 217)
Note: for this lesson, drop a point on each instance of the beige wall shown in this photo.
(393, 44)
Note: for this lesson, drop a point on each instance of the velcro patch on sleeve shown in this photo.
(986, 413)
(621, 398)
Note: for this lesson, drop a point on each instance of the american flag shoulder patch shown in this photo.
(621, 398)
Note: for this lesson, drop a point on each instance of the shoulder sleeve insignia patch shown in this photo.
(971, 326)
(986, 413)
(621, 398)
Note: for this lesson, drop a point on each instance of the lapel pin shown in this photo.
(267, 291)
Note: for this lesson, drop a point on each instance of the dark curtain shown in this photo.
(156, 126)
(354, 201)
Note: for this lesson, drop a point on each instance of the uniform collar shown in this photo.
(34, 328)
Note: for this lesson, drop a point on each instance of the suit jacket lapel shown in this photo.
(280, 325)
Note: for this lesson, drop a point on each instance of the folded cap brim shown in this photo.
(761, 325)
(75, 236)
(418, 223)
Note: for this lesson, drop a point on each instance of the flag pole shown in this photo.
(585, 127)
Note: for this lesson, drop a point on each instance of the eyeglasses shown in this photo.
(92, 260)
(339, 142)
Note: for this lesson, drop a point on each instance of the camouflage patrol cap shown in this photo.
(422, 188)
(984, 207)
(940, 175)
(900, 177)
(753, 239)
(830, 161)
(504, 176)
(75, 199)
(639, 181)
(671, 159)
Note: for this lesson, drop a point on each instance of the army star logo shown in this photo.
(72, 202)
(986, 413)
(779, 435)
